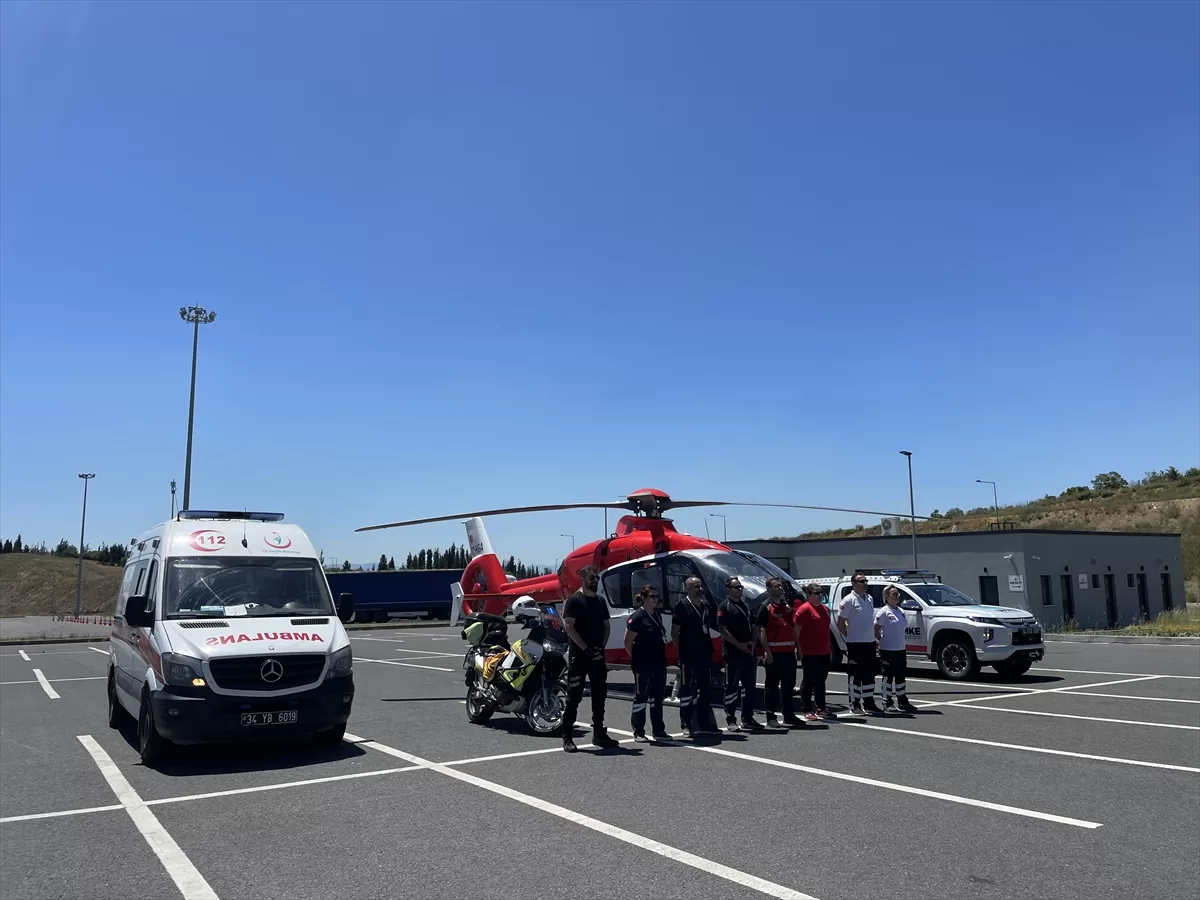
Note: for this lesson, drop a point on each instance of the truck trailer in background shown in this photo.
(380, 595)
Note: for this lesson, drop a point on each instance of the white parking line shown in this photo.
(36, 681)
(63, 812)
(50, 692)
(233, 792)
(24, 656)
(1133, 697)
(98, 650)
(966, 740)
(1031, 692)
(1031, 712)
(186, 877)
(639, 841)
(1129, 674)
(427, 652)
(887, 785)
(389, 662)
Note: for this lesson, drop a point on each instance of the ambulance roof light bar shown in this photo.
(228, 514)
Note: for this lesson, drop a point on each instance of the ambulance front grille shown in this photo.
(245, 673)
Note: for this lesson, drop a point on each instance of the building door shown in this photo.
(1068, 598)
(989, 590)
(1168, 601)
(1110, 599)
(1143, 596)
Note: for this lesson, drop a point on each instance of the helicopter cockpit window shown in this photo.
(752, 571)
(651, 575)
(679, 569)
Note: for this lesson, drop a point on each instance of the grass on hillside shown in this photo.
(1174, 623)
(33, 584)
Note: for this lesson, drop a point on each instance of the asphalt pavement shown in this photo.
(1079, 780)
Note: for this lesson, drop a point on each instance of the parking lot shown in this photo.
(1081, 779)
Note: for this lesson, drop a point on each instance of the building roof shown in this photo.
(953, 534)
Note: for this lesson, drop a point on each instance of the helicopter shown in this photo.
(644, 548)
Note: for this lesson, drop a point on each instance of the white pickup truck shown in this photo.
(954, 630)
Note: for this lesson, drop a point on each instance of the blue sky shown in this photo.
(466, 255)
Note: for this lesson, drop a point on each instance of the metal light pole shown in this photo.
(912, 507)
(572, 537)
(197, 316)
(724, 532)
(82, 525)
(995, 499)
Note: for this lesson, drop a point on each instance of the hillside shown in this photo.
(35, 584)
(1162, 502)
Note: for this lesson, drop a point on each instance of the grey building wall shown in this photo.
(1013, 563)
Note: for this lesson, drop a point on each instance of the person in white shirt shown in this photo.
(889, 631)
(856, 622)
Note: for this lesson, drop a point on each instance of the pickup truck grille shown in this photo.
(245, 673)
(1031, 636)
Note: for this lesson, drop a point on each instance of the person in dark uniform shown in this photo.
(646, 643)
(585, 619)
(777, 632)
(737, 644)
(690, 624)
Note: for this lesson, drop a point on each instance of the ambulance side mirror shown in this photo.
(136, 615)
(345, 607)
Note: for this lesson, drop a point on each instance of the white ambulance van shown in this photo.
(224, 630)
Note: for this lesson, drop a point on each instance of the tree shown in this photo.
(391, 564)
(1109, 481)
(346, 566)
(935, 514)
(17, 546)
(954, 513)
(7, 548)
(382, 567)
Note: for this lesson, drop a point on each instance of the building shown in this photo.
(1101, 579)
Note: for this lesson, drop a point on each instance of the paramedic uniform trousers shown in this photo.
(579, 667)
(649, 689)
(860, 671)
(812, 684)
(781, 679)
(740, 669)
(695, 701)
(894, 664)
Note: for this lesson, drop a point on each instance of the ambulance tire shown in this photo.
(153, 747)
(328, 740)
(117, 716)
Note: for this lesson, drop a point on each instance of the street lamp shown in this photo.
(912, 507)
(995, 500)
(79, 578)
(572, 537)
(197, 316)
(172, 498)
(724, 531)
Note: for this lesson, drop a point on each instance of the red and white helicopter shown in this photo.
(645, 548)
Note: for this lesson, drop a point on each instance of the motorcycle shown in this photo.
(526, 678)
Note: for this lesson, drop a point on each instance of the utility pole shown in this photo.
(995, 500)
(197, 316)
(82, 526)
(912, 507)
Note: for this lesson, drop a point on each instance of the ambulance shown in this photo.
(225, 630)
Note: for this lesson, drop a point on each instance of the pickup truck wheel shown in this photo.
(1012, 668)
(956, 659)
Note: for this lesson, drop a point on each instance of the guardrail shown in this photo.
(85, 620)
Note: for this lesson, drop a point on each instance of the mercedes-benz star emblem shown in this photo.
(271, 671)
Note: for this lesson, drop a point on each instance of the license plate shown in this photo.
(283, 717)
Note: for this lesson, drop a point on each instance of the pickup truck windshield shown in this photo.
(942, 595)
(245, 586)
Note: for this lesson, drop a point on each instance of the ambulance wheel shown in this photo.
(153, 747)
(117, 716)
(327, 740)
(478, 710)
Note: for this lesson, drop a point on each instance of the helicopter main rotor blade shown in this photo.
(616, 504)
(864, 512)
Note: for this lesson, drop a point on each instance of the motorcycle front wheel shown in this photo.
(544, 714)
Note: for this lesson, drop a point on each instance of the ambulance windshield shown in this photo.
(245, 586)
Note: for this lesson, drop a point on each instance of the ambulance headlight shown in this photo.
(341, 663)
(182, 671)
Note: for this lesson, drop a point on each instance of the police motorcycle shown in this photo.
(526, 677)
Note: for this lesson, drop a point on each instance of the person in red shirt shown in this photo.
(812, 637)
